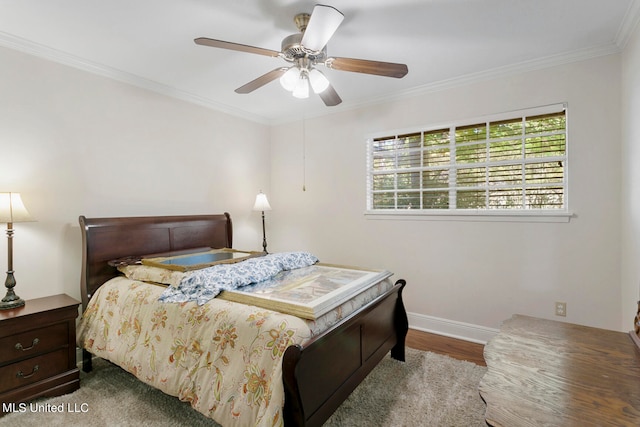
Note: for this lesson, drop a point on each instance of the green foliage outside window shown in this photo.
(513, 164)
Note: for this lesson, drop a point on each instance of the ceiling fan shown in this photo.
(305, 50)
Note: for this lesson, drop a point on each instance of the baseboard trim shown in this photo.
(451, 328)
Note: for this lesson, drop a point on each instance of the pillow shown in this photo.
(146, 273)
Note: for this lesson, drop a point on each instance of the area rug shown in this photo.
(427, 390)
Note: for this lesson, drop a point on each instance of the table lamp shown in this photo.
(11, 210)
(262, 204)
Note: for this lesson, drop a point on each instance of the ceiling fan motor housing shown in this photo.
(292, 50)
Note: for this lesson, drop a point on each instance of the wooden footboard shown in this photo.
(320, 376)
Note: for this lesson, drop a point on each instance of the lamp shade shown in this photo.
(261, 204)
(12, 209)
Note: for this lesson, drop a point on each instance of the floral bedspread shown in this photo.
(224, 358)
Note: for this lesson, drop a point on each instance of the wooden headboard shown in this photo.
(106, 239)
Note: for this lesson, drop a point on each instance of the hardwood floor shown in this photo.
(458, 349)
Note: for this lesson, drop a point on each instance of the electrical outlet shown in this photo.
(561, 309)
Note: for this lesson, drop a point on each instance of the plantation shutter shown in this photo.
(506, 163)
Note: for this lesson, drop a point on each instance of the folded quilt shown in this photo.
(205, 284)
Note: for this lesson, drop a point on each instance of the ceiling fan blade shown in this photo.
(324, 21)
(262, 80)
(378, 68)
(330, 97)
(236, 46)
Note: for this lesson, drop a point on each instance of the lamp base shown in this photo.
(8, 305)
(10, 300)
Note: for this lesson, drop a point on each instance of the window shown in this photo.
(509, 163)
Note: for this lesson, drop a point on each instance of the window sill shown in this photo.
(474, 216)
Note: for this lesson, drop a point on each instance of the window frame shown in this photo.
(489, 214)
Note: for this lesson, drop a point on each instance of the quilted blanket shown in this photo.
(204, 284)
(224, 358)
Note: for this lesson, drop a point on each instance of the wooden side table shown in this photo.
(38, 349)
(548, 373)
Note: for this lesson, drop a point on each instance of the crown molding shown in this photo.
(629, 24)
(517, 68)
(631, 21)
(54, 55)
(508, 70)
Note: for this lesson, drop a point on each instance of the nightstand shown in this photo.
(38, 349)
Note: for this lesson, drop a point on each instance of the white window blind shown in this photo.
(512, 162)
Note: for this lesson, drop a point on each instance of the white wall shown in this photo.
(631, 175)
(74, 143)
(468, 273)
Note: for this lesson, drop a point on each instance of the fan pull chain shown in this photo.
(304, 156)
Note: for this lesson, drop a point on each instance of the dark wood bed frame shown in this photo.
(317, 376)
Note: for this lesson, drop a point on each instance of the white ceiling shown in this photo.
(149, 43)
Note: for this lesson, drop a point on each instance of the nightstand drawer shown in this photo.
(33, 342)
(35, 369)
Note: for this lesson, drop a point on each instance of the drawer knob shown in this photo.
(21, 374)
(33, 344)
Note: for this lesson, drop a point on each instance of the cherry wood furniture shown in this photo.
(318, 376)
(38, 349)
(548, 373)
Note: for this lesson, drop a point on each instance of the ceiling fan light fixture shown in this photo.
(290, 78)
(319, 82)
(302, 87)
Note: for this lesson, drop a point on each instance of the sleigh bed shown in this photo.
(318, 374)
